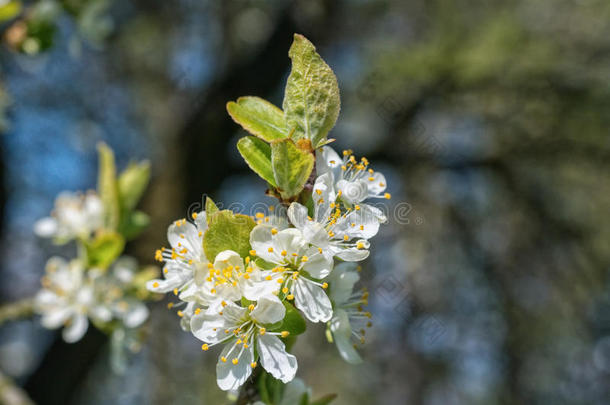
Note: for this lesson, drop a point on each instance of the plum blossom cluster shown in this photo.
(72, 295)
(100, 286)
(300, 262)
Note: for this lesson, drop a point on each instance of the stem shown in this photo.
(249, 391)
(16, 310)
(10, 394)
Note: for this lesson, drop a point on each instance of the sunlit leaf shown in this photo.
(132, 183)
(259, 117)
(311, 99)
(291, 167)
(227, 231)
(257, 155)
(104, 249)
(107, 186)
(9, 10)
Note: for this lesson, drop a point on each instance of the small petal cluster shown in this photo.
(100, 285)
(72, 295)
(301, 263)
(75, 216)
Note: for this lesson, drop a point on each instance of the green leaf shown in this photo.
(325, 400)
(259, 117)
(311, 99)
(104, 249)
(134, 223)
(304, 399)
(132, 183)
(9, 10)
(257, 155)
(291, 167)
(107, 187)
(227, 231)
(210, 208)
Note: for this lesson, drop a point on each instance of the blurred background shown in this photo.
(489, 118)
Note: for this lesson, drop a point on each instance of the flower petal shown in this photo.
(376, 184)
(342, 281)
(318, 264)
(323, 195)
(297, 214)
(275, 359)
(311, 299)
(230, 376)
(46, 227)
(77, 328)
(268, 310)
(342, 331)
(353, 191)
(135, 315)
(183, 234)
(261, 239)
(328, 161)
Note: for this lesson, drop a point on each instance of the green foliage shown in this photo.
(311, 106)
(9, 10)
(108, 188)
(132, 183)
(259, 117)
(120, 196)
(133, 224)
(311, 100)
(291, 167)
(210, 208)
(257, 155)
(227, 231)
(104, 249)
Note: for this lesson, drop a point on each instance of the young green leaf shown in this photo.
(227, 231)
(132, 183)
(257, 155)
(210, 208)
(291, 167)
(108, 187)
(259, 117)
(133, 224)
(311, 99)
(9, 9)
(104, 249)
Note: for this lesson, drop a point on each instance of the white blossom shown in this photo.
(296, 268)
(68, 299)
(72, 295)
(242, 330)
(186, 264)
(75, 216)
(349, 318)
(337, 230)
(354, 180)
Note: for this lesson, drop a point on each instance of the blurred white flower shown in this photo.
(75, 216)
(294, 261)
(244, 333)
(71, 296)
(349, 318)
(67, 299)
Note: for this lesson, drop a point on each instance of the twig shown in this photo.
(16, 310)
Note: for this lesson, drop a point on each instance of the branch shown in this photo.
(10, 394)
(16, 310)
